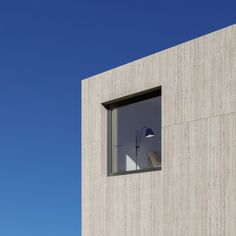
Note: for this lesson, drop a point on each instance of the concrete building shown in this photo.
(159, 143)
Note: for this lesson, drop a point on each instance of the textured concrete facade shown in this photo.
(195, 192)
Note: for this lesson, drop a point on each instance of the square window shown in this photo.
(134, 133)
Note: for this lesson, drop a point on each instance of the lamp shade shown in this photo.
(149, 133)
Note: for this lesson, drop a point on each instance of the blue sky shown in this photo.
(46, 48)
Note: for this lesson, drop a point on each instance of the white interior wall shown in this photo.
(126, 122)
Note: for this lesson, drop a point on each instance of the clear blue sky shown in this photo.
(46, 48)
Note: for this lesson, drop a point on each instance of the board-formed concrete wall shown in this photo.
(195, 192)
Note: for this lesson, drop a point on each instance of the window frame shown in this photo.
(126, 100)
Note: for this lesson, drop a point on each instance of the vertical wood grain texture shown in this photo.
(195, 192)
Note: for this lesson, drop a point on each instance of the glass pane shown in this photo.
(136, 136)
